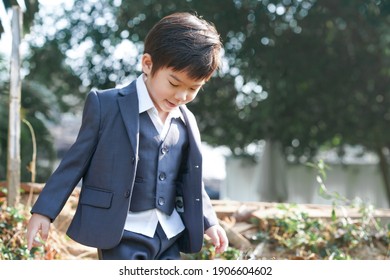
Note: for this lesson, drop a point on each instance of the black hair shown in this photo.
(184, 42)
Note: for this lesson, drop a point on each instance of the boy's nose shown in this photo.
(181, 96)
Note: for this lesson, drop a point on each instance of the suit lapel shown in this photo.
(128, 105)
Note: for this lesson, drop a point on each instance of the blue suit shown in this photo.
(104, 156)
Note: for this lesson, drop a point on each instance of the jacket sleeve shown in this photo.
(210, 217)
(74, 164)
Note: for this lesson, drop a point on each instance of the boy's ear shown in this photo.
(147, 63)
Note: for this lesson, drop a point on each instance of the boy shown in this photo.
(138, 155)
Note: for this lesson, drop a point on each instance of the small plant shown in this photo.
(13, 243)
(12, 230)
(350, 233)
(355, 231)
(208, 253)
(298, 236)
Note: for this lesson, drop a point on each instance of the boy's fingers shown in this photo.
(34, 226)
(218, 238)
(224, 239)
(214, 238)
(35, 241)
(45, 231)
(222, 242)
(31, 234)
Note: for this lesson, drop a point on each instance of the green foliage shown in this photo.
(299, 236)
(330, 240)
(13, 245)
(295, 231)
(293, 234)
(40, 108)
(286, 66)
(208, 253)
(46, 92)
(308, 74)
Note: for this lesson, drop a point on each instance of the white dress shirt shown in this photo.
(146, 222)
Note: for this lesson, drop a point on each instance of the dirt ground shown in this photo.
(238, 220)
(236, 217)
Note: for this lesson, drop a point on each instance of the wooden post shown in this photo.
(13, 164)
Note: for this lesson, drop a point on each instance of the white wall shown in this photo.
(243, 182)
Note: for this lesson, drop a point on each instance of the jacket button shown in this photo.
(161, 201)
(164, 150)
(179, 203)
(162, 176)
(127, 193)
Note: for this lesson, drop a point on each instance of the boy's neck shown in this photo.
(163, 116)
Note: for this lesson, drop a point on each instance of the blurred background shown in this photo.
(303, 81)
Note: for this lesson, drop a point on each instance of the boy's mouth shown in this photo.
(172, 105)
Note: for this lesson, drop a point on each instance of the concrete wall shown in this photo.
(245, 181)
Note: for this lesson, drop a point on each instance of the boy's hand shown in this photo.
(37, 223)
(218, 238)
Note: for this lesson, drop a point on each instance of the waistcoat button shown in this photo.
(162, 176)
(161, 201)
(127, 193)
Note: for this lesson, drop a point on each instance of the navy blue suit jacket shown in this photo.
(104, 156)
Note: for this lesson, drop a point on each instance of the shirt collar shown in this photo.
(145, 103)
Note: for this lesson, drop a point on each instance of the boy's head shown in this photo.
(184, 42)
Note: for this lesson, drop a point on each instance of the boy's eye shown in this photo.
(173, 84)
(196, 88)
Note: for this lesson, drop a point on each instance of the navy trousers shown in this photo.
(134, 246)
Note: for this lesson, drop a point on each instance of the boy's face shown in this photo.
(167, 88)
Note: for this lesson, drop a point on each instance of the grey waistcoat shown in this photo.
(160, 161)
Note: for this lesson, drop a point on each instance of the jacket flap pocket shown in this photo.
(96, 197)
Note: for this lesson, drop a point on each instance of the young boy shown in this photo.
(138, 156)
